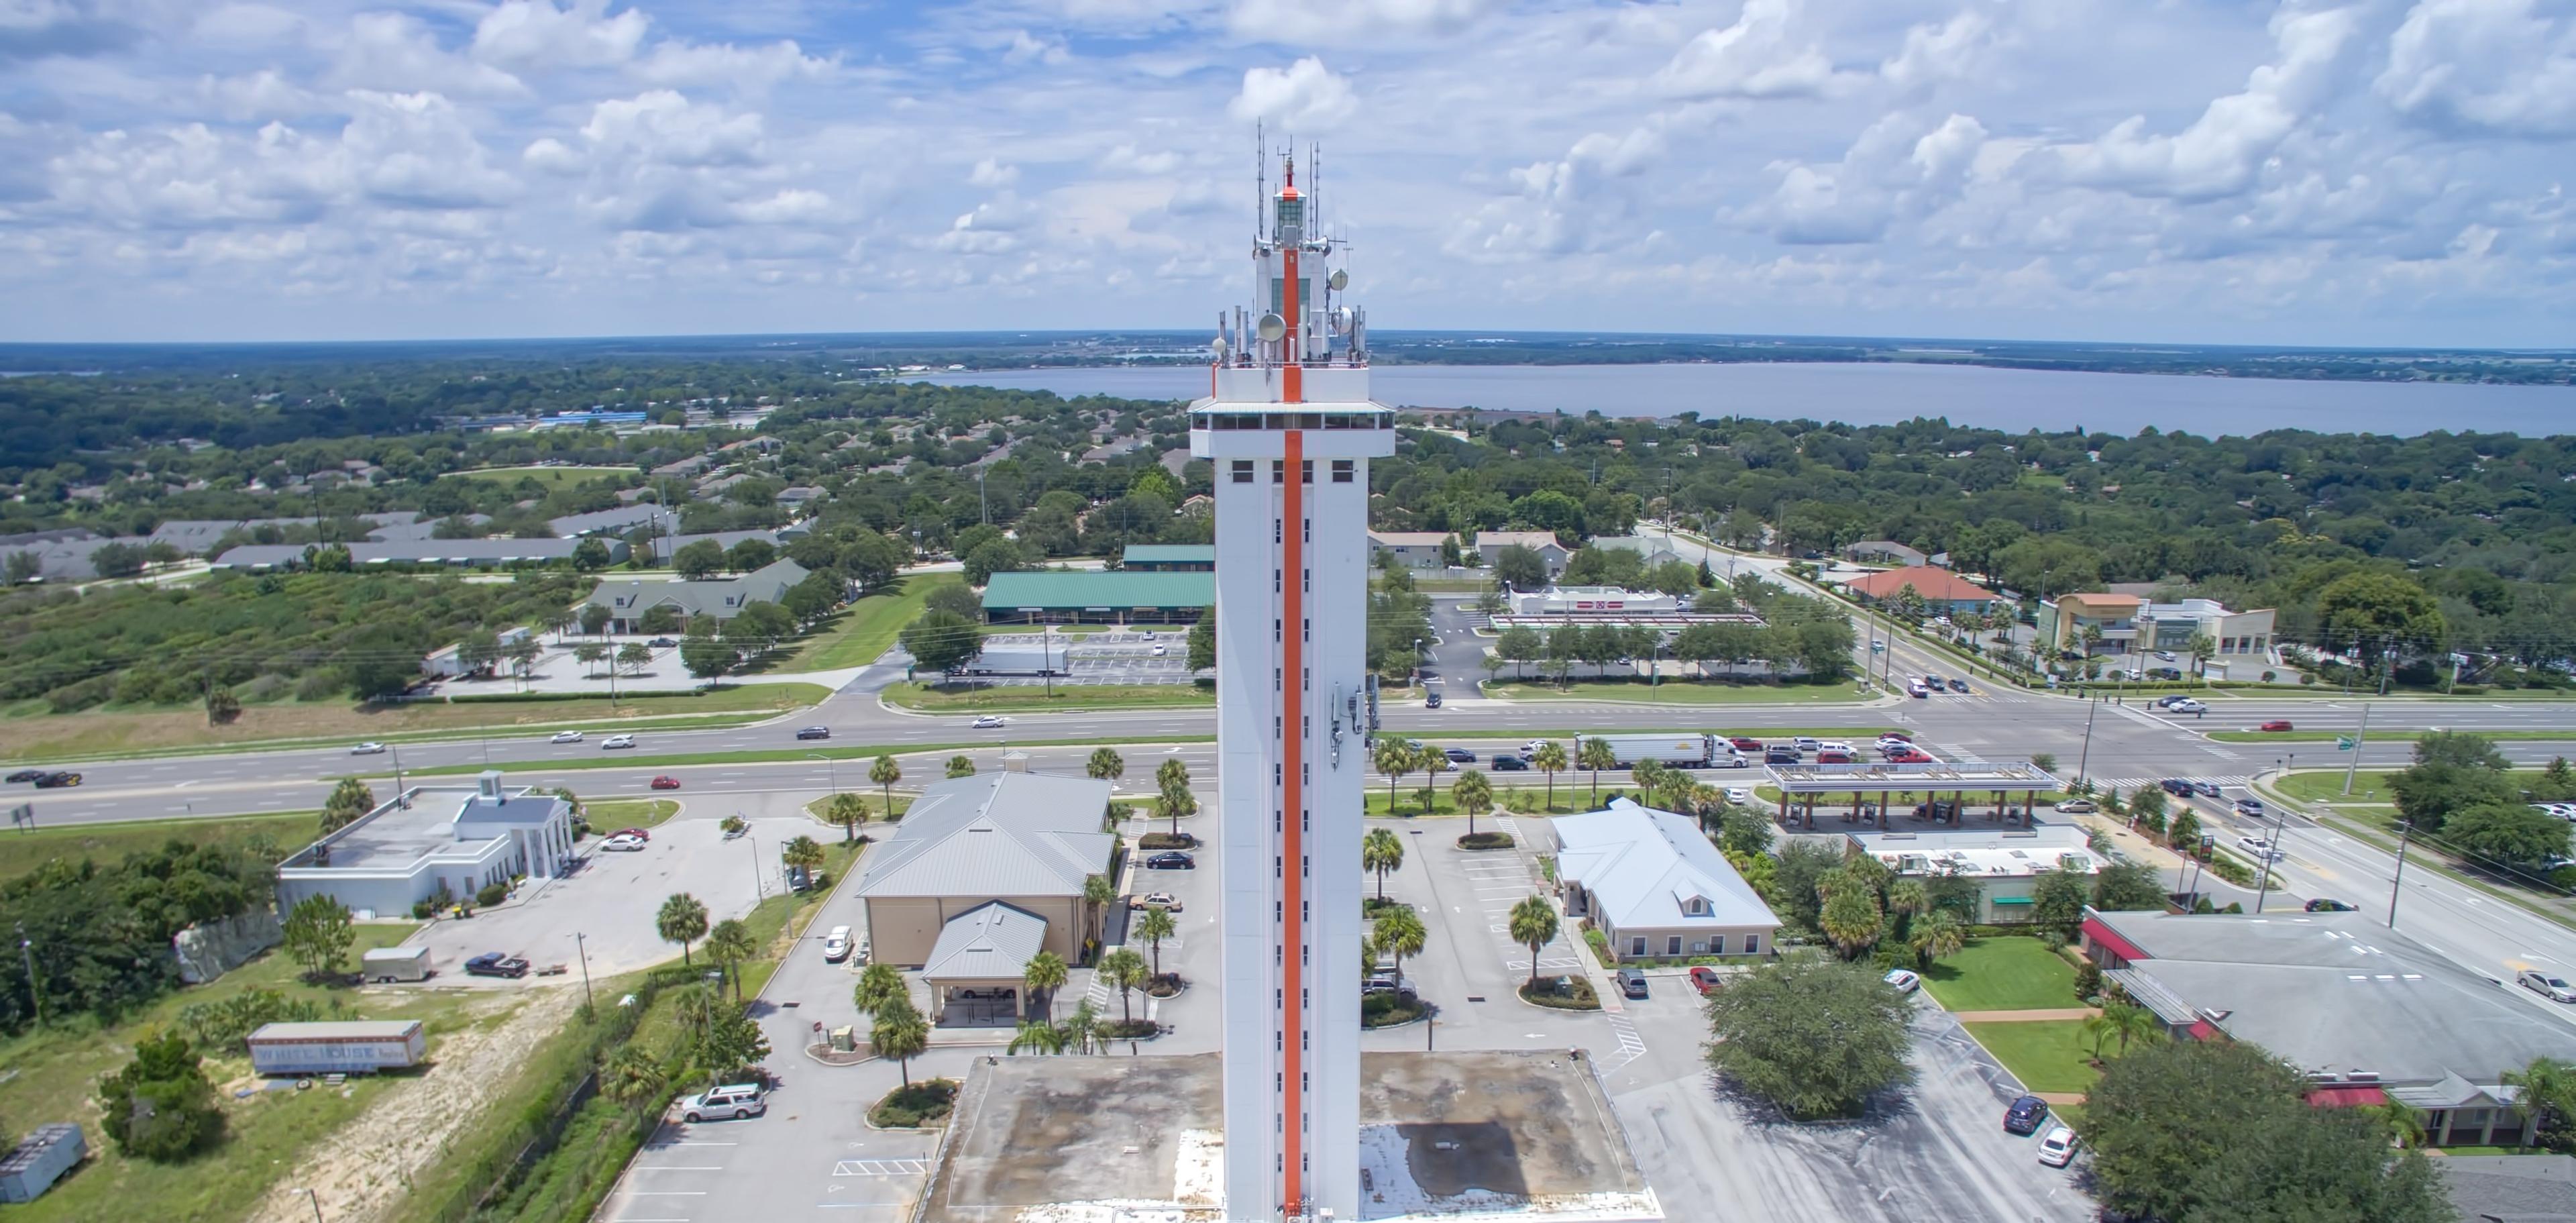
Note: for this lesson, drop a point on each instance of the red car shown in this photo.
(1909, 758)
(666, 782)
(1743, 744)
(1703, 979)
(2275, 724)
(1895, 734)
(1833, 758)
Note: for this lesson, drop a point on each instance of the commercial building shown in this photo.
(2511, 1188)
(338, 1047)
(1584, 604)
(2113, 619)
(983, 873)
(2005, 863)
(1943, 593)
(1421, 549)
(1290, 429)
(458, 553)
(429, 840)
(1169, 558)
(448, 662)
(2370, 1014)
(618, 521)
(1885, 552)
(2169, 627)
(1652, 883)
(1092, 596)
(2007, 788)
(665, 546)
(627, 600)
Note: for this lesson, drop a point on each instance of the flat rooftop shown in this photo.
(395, 837)
(1983, 852)
(1453, 1136)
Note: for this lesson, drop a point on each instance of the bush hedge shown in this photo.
(927, 1102)
(1389, 1009)
(491, 894)
(523, 698)
(1128, 1029)
(1571, 992)
(1166, 840)
(1486, 840)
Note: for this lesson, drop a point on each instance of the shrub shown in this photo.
(1164, 840)
(1386, 1010)
(491, 894)
(1571, 992)
(2088, 980)
(321, 685)
(1165, 986)
(922, 1103)
(1486, 840)
(1128, 1029)
(160, 1106)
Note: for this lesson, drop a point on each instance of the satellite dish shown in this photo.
(1217, 346)
(1272, 328)
(1340, 280)
(1341, 318)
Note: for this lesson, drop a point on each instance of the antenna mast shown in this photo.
(1260, 181)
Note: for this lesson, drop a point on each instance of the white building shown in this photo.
(1654, 886)
(1290, 427)
(1593, 602)
(452, 837)
(2004, 863)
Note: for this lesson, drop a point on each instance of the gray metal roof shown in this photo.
(668, 544)
(2339, 993)
(1642, 865)
(412, 552)
(346, 1029)
(990, 942)
(2523, 1188)
(995, 834)
(718, 597)
(622, 519)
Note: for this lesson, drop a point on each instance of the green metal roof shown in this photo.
(1171, 552)
(1078, 589)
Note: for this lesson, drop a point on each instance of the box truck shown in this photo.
(1681, 751)
(389, 964)
(342, 1047)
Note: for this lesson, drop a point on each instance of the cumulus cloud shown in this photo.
(662, 126)
(1933, 53)
(1350, 22)
(1306, 96)
(2484, 66)
(1759, 56)
(533, 34)
(681, 64)
(1901, 168)
(991, 173)
(397, 51)
(1027, 48)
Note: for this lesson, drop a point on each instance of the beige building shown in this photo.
(1653, 884)
(1024, 840)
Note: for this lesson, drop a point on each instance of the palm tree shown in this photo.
(1533, 924)
(1096, 895)
(1850, 918)
(803, 853)
(1381, 851)
(1549, 759)
(880, 986)
(1474, 795)
(1907, 896)
(2548, 1091)
(632, 1077)
(2133, 1022)
(1045, 975)
(849, 811)
(1433, 762)
(683, 920)
(1036, 1036)
(1125, 971)
(2201, 649)
(900, 1033)
(1173, 802)
(1155, 926)
(2099, 1027)
(885, 772)
(728, 945)
(961, 766)
(1395, 759)
(1400, 933)
(2405, 1125)
(1644, 774)
(1368, 955)
(1595, 754)
(1937, 937)
(1172, 774)
(1081, 1028)
(1105, 765)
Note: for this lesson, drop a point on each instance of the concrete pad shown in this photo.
(1523, 1136)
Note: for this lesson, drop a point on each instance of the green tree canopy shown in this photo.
(1813, 1036)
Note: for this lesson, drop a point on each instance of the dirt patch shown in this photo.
(362, 1171)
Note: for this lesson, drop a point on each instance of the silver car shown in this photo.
(2554, 988)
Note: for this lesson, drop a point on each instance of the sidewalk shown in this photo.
(2038, 1016)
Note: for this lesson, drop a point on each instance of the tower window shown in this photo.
(1278, 471)
(1306, 471)
(1341, 471)
(1243, 471)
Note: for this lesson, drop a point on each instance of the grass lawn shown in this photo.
(22, 852)
(2368, 786)
(2046, 1056)
(856, 635)
(2003, 974)
(876, 808)
(94, 734)
(629, 812)
(1678, 692)
(555, 479)
(2381, 736)
(55, 1073)
(981, 698)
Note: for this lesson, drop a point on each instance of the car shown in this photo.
(661, 643)
(2187, 705)
(1705, 979)
(2205, 789)
(1632, 983)
(2250, 808)
(367, 749)
(2325, 904)
(2548, 985)
(622, 845)
(496, 964)
(637, 833)
(1931, 681)
(2058, 1149)
(1897, 735)
(987, 722)
(1432, 701)
(566, 736)
(2275, 726)
(1780, 754)
(1147, 635)
(736, 1101)
(2167, 702)
(814, 732)
(1834, 745)
(1505, 762)
(2164, 656)
(1807, 743)
(616, 743)
(2133, 675)
(1743, 744)
(57, 780)
(1384, 982)
(1903, 979)
(1918, 692)
(2025, 1114)
(2175, 786)
(666, 782)
(1171, 860)
(1739, 795)
(836, 945)
(1830, 756)
(2259, 848)
(1160, 650)
(1910, 756)
(2077, 806)
(26, 774)
(1458, 755)
(1958, 685)
(1156, 900)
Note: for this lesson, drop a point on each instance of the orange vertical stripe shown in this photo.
(1293, 768)
(1292, 380)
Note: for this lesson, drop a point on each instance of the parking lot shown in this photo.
(1123, 656)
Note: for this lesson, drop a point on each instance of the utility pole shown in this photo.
(2086, 756)
(2355, 763)
(401, 802)
(582, 943)
(27, 948)
(2405, 832)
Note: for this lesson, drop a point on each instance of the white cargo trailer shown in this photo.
(1679, 750)
(40, 1160)
(388, 964)
(354, 1047)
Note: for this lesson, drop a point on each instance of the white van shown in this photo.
(836, 945)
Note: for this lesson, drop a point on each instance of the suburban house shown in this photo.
(461, 553)
(1885, 552)
(1943, 593)
(620, 521)
(723, 598)
(448, 661)
(2370, 1014)
(2004, 863)
(2511, 1188)
(1092, 596)
(1490, 544)
(429, 839)
(980, 875)
(2128, 623)
(1654, 885)
(1169, 558)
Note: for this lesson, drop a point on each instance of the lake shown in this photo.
(1879, 394)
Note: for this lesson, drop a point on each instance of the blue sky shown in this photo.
(2375, 172)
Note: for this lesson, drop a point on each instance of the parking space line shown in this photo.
(881, 1167)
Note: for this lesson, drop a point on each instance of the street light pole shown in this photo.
(2085, 757)
(582, 947)
(27, 949)
(399, 800)
(2405, 833)
(2355, 762)
(756, 880)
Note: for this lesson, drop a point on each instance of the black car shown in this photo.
(1632, 983)
(661, 643)
(1432, 701)
(2326, 904)
(26, 774)
(2026, 1115)
(496, 964)
(815, 732)
(1171, 860)
(1780, 755)
(1958, 685)
(1458, 755)
(2176, 786)
(56, 781)
(1504, 762)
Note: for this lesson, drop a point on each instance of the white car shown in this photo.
(737, 1101)
(988, 722)
(1903, 979)
(2259, 848)
(1835, 745)
(1159, 650)
(836, 945)
(2058, 1149)
(2188, 705)
(623, 844)
(566, 736)
(615, 742)
(367, 749)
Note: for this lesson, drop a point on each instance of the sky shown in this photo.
(2383, 172)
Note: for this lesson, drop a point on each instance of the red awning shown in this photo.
(2101, 934)
(2202, 1029)
(2346, 1097)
